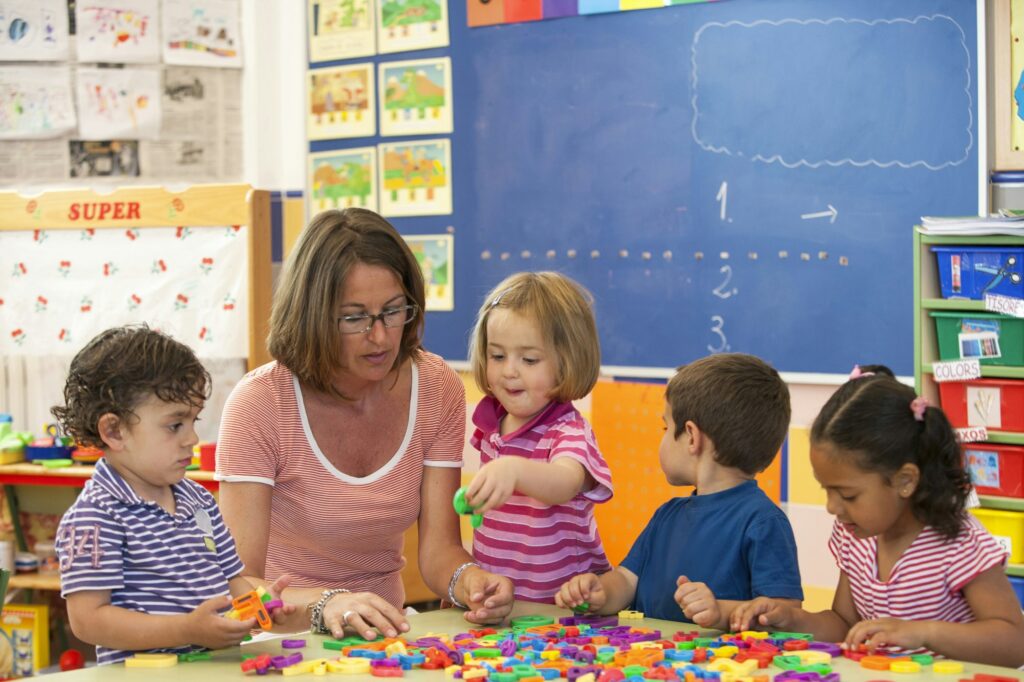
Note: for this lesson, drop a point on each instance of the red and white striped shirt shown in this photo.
(540, 546)
(326, 527)
(928, 579)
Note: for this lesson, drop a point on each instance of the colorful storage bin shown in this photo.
(1007, 527)
(995, 469)
(1018, 586)
(972, 271)
(1009, 330)
(997, 404)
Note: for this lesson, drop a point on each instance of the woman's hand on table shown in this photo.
(365, 613)
(489, 597)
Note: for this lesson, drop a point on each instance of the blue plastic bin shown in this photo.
(970, 272)
(1018, 586)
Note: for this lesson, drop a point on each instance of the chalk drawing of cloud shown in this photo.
(834, 92)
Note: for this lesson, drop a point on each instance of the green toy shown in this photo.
(464, 507)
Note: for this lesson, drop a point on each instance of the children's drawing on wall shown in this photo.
(104, 158)
(35, 102)
(343, 178)
(411, 25)
(436, 255)
(33, 30)
(341, 29)
(202, 33)
(118, 103)
(124, 31)
(415, 178)
(341, 102)
(416, 97)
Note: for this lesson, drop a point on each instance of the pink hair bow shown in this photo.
(918, 405)
(855, 373)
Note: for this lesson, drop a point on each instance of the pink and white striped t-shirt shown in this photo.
(928, 579)
(326, 527)
(536, 545)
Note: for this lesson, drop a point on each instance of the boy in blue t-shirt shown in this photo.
(701, 556)
(146, 561)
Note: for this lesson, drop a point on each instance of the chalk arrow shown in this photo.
(831, 214)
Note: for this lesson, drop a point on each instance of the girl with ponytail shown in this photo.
(917, 573)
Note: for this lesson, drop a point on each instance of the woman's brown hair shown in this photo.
(304, 334)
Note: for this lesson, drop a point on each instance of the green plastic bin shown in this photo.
(1010, 330)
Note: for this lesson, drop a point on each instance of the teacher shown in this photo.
(328, 454)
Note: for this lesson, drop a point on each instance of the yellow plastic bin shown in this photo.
(1007, 527)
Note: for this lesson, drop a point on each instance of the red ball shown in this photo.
(72, 660)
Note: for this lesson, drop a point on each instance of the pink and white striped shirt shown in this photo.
(536, 545)
(927, 581)
(327, 527)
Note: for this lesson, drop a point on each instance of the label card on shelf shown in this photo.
(1007, 305)
(972, 434)
(956, 370)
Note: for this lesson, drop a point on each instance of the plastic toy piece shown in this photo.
(465, 508)
(947, 667)
(904, 667)
(532, 621)
(193, 656)
(56, 463)
(293, 643)
(151, 661)
(631, 615)
(249, 605)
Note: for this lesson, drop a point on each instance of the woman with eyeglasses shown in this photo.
(328, 454)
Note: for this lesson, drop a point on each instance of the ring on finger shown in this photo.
(344, 616)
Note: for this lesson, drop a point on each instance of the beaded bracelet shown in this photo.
(454, 581)
(316, 617)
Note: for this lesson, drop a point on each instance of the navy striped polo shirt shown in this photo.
(150, 560)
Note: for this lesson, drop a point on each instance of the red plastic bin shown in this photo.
(995, 469)
(997, 404)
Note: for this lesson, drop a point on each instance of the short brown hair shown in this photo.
(121, 368)
(739, 401)
(562, 309)
(304, 335)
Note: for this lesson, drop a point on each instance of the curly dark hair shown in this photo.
(870, 417)
(119, 369)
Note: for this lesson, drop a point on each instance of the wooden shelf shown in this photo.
(1016, 570)
(34, 581)
(953, 304)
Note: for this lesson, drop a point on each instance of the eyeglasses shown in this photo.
(391, 317)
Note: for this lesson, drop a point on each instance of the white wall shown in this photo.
(273, 93)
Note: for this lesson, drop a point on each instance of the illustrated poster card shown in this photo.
(343, 178)
(404, 25)
(341, 102)
(341, 29)
(415, 178)
(436, 255)
(35, 102)
(123, 31)
(416, 97)
(33, 30)
(103, 158)
(118, 103)
(202, 33)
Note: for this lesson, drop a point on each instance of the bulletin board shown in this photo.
(728, 176)
(195, 264)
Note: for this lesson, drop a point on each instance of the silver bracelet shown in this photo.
(316, 616)
(455, 580)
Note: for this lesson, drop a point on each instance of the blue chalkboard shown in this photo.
(741, 175)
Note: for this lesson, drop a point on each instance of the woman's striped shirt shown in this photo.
(328, 528)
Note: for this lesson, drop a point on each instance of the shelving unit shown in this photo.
(927, 298)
